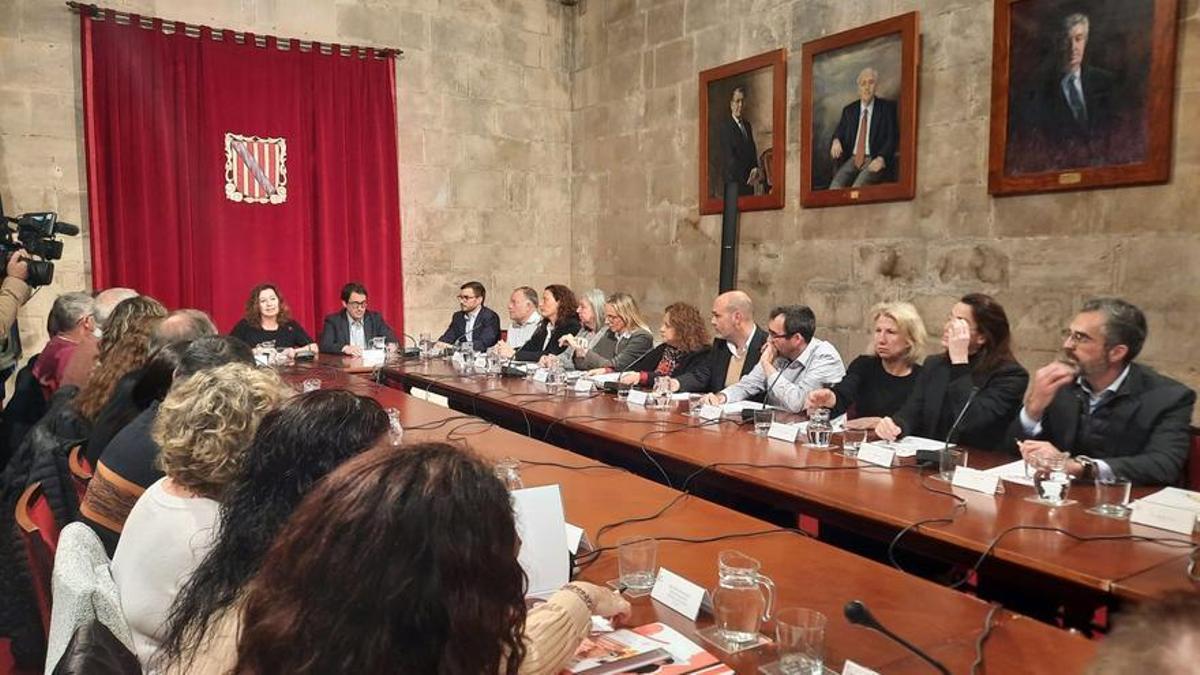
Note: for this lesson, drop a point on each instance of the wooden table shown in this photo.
(875, 501)
(807, 572)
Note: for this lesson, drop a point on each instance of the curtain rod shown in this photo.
(193, 31)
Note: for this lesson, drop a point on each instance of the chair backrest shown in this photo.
(35, 521)
(81, 470)
(765, 163)
(1193, 465)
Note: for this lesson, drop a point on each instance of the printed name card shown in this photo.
(541, 375)
(879, 455)
(372, 358)
(1163, 517)
(784, 432)
(583, 386)
(852, 668)
(710, 412)
(678, 593)
(974, 479)
(481, 362)
(438, 399)
(638, 397)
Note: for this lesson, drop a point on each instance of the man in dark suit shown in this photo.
(1075, 101)
(1115, 417)
(739, 154)
(474, 323)
(864, 143)
(351, 330)
(735, 351)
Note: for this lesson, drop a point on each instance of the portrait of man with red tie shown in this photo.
(864, 144)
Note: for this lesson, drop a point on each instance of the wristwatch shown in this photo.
(1088, 467)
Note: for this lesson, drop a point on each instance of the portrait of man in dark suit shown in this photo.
(1077, 85)
(738, 152)
(863, 148)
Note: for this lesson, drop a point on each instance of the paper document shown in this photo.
(1178, 498)
(1013, 472)
(542, 528)
(606, 377)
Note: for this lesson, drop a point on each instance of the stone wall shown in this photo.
(634, 150)
(484, 129)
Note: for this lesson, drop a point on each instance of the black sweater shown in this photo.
(290, 334)
(871, 390)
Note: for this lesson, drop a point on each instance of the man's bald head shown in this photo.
(732, 314)
(182, 325)
(107, 300)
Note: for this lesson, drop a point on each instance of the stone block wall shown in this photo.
(483, 120)
(635, 202)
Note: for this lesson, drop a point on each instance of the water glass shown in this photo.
(1050, 479)
(763, 420)
(378, 342)
(852, 440)
(311, 384)
(695, 403)
(623, 391)
(950, 459)
(800, 638)
(426, 346)
(1112, 498)
(508, 470)
(637, 563)
(395, 429)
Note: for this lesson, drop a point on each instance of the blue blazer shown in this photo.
(335, 334)
(485, 334)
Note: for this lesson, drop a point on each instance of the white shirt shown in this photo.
(817, 366)
(519, 333)
(358, 334)
(469, 328)
(164, 540)
(733, 349)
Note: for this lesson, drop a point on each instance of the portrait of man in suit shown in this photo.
(738, 152)
(1077, 85)
(864, 144)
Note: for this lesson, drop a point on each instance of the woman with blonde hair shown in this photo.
(203, 427)
(631, 337)
(593, 335)
(878, 383)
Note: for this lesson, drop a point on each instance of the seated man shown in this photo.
(522, 310)
(351, 330)
(1115, 417)
(83, 359)
(69, 324)
(735, 350)
(791, 365)
(475, 323)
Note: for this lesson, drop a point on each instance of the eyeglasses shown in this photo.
(1076, 337)
(611, 317)
(357, 305)
(776, 336)
(466, 297)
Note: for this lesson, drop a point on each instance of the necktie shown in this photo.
(860, 145)
(1078, 109)
(742, 128)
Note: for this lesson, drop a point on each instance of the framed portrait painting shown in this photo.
(858, 115)
(743, 133)
(1082, 94)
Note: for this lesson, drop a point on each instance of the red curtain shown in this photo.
(158, 108)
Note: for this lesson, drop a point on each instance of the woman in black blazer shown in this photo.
(559, 307)
(977, 367)
(268, 320)
(685, 346)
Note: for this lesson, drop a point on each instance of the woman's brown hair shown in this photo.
(992, 323)
(691, 330)
(253, 315)
(124, 348)
(397, 562)
(568, 306)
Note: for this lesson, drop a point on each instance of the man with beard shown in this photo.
(1115, 417)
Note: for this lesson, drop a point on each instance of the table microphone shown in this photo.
(934, 456)
(857, 613)
(413, 351)
(748, 415)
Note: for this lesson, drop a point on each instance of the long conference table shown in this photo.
(807, 573)
(1063, 553)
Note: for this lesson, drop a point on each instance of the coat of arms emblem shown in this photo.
(255, 169)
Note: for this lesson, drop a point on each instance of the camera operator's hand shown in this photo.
(18, 267)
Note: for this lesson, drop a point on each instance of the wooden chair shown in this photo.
(81, 470)
(39, 531)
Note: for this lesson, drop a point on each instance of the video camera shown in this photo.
(34, 233)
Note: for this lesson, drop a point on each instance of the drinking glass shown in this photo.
(395, 429)
(950, 459)
(1112, 498)
(311, 384)
(740, 605)
(819, 428)
(800, 637)
(1051, 483)
(852, 440)
(508, 470)
(695, 403)
(637, 563)
(426, 346)
(762, 421)
(377, 342)
(623, 391)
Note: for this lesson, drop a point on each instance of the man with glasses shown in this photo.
(351, 330)
(71, 322)
(474, 323)
(1117, 418)
(793, 363)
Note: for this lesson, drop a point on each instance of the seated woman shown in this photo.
(391, 597)
(593, 335)
(978, 368)
(878, 383)
(203, 428)
(129, 464)
(268, 322)
(296, 446)
(685, 345)
(629, 331)
(560, 309)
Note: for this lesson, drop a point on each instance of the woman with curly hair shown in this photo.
(560, 310)
(203, 428)
(268, 319)
(296, 446)
(124, 348)
(358, 580)
(685, 345)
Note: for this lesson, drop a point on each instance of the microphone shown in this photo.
(413, 351)
(748, 415)
(857, 613)
(934, 456)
